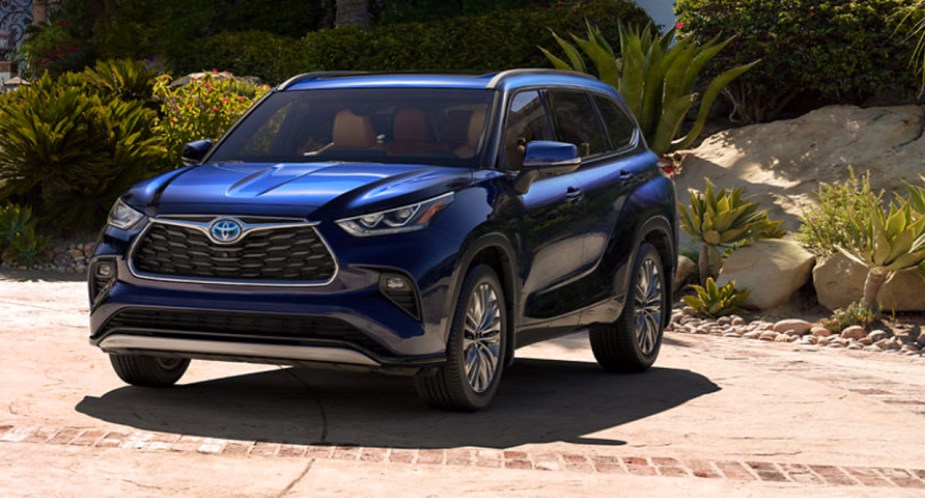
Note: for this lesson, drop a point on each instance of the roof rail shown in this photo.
(314, 76)
(503, 75)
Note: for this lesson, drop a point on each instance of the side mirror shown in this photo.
(545, 158)
(193, 152)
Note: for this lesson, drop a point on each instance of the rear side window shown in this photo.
(620, 127)
(576, 122)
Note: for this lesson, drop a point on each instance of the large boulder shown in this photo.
(772, 270)
(782, 163)
(839, 282)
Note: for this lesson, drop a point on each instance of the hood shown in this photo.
(300, 189)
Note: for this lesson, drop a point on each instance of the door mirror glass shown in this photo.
(194, 152)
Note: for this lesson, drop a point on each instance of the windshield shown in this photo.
(443, 127)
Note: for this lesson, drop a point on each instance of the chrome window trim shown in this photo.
(246, 229)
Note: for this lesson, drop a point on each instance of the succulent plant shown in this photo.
(723, 218)
(887, 242)
(656, 75)
(713, 300)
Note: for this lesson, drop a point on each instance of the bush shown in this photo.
(19, 243)
(71, 152)
(714, 301)
(825, 226)
(498, 40)
(203, 108)
(854, 314)
(270, 57)
(835, 51)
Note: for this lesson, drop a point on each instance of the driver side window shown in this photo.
(526, 121)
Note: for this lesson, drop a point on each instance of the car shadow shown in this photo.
(539, 401)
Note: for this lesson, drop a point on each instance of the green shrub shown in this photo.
(498, 40)
(714, 301)
(19, 243)
(268, 56)
(854, 314)
(656, 75)
(71, 152)
(835, 51)
(825, 225)
(202, 109)
(124, 78)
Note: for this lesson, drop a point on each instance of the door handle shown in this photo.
(574, 195)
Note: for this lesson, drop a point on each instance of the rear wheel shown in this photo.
(632, 343)
(148, 371)
(475, 349)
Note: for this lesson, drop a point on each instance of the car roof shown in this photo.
(505, 80)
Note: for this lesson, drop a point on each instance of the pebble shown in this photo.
(768, 335)
(801, 326)
(738, 321)
(793, 332)
(731, 334)
(854, 332)
(752, 335)
(820, 332)
(878, 335)
(785, 338)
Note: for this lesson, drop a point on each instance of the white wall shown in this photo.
(661, 11)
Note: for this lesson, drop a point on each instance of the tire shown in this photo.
(452, 387)
(148, 371)
(632, 343)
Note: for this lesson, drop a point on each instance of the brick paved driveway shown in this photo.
(718, 416)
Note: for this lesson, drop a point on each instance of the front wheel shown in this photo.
(475, 350)
(148, 371)
(632, 343)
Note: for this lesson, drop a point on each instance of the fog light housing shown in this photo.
(400, 290)
(101, 274)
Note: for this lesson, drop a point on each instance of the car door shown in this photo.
(549, 242)
(607, 175)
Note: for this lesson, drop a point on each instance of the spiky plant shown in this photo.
(713, 300)
(718, 218)
(888, 241)
(656, 75)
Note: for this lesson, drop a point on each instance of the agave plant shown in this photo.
(656, 75)
(713, 300)
(887, 242)
(724, 218)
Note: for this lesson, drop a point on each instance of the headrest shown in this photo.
(476, 125)
(410, 126)
(352, 131)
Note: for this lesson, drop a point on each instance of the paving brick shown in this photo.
(489, 458)
(64, 436)
(112, 440)
(833, 475)
(402, 455)
(735, 471)
(518, 464)
(704, 469)
(548, 461)
(768, 471)
(608, 464)
(319, 451)
(237, 449)
(432, 457)
(639, 466)
(920, 473)
(346, 453)
(515, 455)
(186, 444)
(18, 434)
(41, 435)
(867, 477)
(902, 478)
(577, 463)
(460, 456)
(673, 471)
(4, 429)
(291, 451)
(264, 449)
(800, 473)
(374, 454)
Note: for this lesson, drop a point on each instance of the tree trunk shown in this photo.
(352, 13)
(704, 263)
(872, 288)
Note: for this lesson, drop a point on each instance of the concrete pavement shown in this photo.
(717, 416)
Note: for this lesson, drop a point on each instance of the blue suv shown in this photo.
(415, 224)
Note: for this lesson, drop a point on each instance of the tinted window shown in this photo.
(526, 121)
(619, 126)
(381, 125)
(576, 122)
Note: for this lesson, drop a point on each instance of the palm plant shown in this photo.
(723, 218)
(656, 75)
(916, 30)
(887, 242)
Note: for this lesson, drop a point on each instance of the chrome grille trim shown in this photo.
(247, 228)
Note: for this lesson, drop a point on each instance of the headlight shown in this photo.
(124, 217)
(401, 219)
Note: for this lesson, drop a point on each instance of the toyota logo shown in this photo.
(226, 231)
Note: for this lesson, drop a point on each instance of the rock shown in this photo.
(88, 248)
(784, 338)
(738, 321)
(921, 340)
(865, 342)
(874, 349)
(824, 341)
(855, 346)
(723, 320)
(887, 345)
(854, 332)
(755, 334)
(686, 267)
(878, 335)
(799, 326)
(909, 348)
(731, 334)
(751, 267)
(820, 332)
(810, 339)
(839, 282)
(768, 335)
(687, 310)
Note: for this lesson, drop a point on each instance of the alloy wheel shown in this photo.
(647, 299)
(482, 337)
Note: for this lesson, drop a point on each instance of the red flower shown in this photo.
(214, 71)
(214, 108)
(224, 100)
(679, 26)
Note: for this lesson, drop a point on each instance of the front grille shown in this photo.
(284, 254)
(244, 327)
